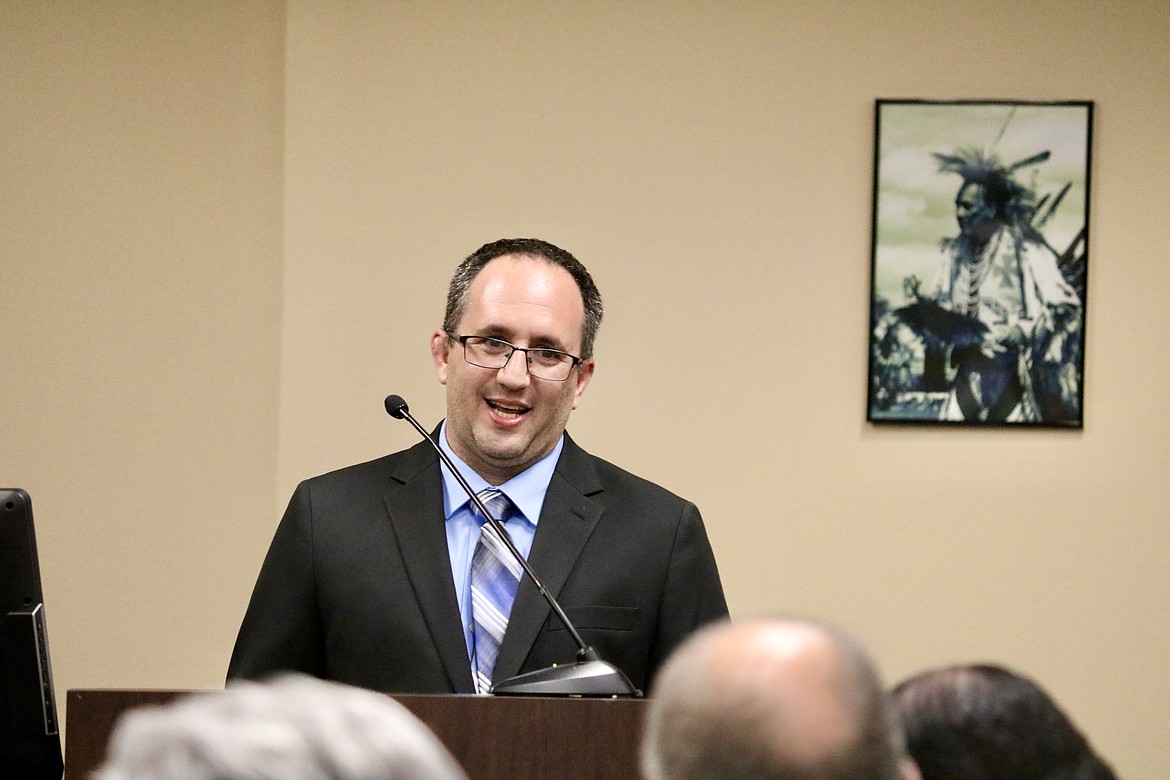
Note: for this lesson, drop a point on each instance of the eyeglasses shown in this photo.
(543, 363)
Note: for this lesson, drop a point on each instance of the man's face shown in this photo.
(501, 421)
(975, 214)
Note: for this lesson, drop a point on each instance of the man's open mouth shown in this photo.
(507, 411)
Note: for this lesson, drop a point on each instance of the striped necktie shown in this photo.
(495, 575)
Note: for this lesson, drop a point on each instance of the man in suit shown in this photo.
(366, 584)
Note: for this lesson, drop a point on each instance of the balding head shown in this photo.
(778, 699)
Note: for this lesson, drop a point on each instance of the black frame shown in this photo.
(979, 262)
(30, 741)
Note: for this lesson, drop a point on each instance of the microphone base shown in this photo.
(592, 679)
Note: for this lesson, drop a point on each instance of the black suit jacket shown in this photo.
(357, 584)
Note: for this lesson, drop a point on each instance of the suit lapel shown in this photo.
(566, 522)
(415, 510)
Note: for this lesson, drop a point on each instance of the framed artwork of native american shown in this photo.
(979, 262)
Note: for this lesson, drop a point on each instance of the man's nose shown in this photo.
(515, 371)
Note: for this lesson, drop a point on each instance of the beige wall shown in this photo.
(192, 324)
(140, 251)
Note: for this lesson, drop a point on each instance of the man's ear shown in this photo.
(584, 374)
(440, 353)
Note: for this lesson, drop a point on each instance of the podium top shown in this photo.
(584, 738)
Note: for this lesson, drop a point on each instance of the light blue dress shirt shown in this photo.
(526, 490)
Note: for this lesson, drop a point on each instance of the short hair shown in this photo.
(728, 717)
(985, 722)
(460, 289)
(292, 728)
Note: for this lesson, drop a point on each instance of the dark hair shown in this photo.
(457, 294)
(984, 722)
(1015, 204)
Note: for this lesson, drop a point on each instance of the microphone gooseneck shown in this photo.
(397, 408)
(590, 676)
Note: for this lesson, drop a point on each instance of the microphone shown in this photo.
(589, 675)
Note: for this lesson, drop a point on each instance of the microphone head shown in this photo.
(396, 407)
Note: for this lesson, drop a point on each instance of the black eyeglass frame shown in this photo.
(575, 361)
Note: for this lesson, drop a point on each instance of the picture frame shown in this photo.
(979, 262)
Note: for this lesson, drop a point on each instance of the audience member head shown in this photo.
(293, 728)
(789, 699)
(982, 722)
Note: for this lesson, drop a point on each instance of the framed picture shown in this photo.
(978, 270)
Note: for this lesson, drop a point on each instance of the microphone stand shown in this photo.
(589, 675)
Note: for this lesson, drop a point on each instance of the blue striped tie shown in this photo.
(495, 575)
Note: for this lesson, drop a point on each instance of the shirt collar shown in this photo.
(526, 490)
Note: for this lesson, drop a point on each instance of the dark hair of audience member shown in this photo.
(985, 722)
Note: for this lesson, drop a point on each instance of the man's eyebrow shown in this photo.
(506, 334)
(493, 331)
(548, 342)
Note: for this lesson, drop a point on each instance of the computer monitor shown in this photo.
(30, 744)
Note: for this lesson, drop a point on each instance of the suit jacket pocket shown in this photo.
(598, 618)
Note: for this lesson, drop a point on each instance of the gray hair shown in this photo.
(292, 728)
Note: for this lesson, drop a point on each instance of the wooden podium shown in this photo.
(491, 737)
